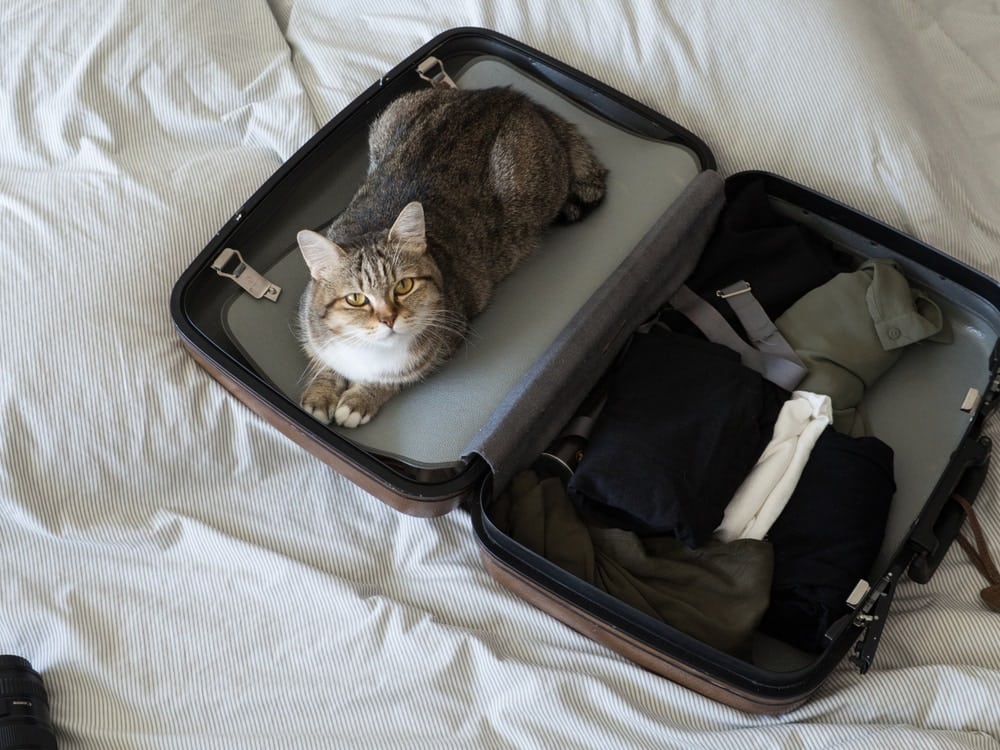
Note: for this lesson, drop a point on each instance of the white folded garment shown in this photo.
(764, 493)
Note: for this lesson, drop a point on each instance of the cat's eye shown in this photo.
(356, 299)
(405, 286)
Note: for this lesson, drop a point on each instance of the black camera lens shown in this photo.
(24, 707)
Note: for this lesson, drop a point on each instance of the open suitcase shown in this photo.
(502, 403)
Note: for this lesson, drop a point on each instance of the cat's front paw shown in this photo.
(320, 398)
(360, 403)
(352, 415)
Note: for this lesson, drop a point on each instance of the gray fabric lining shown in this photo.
(544, 400)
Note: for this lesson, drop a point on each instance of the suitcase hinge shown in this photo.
(230, 264)
(432, 70)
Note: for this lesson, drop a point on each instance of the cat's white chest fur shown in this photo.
(379, 361)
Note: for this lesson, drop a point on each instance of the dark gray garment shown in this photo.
(717, 593)
(780, 258)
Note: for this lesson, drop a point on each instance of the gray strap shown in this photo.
(710, 322)
(762, 332)
(776, 368)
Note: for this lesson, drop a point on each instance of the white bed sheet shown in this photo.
(185, 577)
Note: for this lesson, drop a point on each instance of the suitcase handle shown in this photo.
(934, 535)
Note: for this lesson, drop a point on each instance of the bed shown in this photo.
(184, 576)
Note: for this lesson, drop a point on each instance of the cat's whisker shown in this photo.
(445, 329)
(313, 370)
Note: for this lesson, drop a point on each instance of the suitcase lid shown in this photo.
(235, 304)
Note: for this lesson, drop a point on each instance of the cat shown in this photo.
(460, 186)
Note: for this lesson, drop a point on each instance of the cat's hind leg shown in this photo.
(588, 177)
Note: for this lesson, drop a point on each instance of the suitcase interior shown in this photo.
(508, 393)
(915, 408)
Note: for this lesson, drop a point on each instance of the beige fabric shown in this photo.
(851, 330)
(765, 492)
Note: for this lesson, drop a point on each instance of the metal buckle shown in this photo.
(437, 79)
(252, 282)
(858, 594)
(734, 290)
(971, 400)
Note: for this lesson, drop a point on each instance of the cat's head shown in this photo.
(384, 287)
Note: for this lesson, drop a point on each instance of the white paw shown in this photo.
(346, 416)
(319, 414)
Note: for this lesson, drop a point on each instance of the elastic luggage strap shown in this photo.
(980, 555)
(770, 355)
(763, 334)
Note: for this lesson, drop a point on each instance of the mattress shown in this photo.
(183, 576)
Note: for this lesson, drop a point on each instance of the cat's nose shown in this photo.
(389, 320)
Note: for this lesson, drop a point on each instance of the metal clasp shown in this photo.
(252, 282)
(971, 400)
(437, 78)
(733, 290)
(858, 594)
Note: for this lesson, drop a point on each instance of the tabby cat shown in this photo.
(460, 186)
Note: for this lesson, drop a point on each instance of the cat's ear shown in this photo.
(322, 255)
(408, 230)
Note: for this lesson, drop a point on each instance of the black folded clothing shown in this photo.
(828, 536)
(684, 423)
(780, 258)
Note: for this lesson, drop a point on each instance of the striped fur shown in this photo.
(460, 187)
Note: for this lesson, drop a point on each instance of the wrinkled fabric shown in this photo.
(779, 258)
(683, 424)
(762, 496)
(851, 330)
(716, 594)
(185, 577)
(828, 535)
